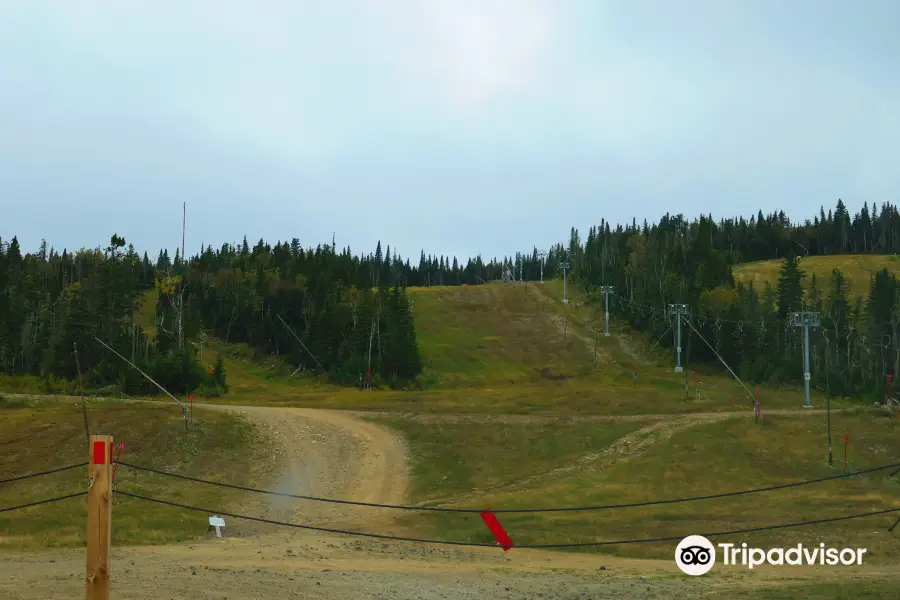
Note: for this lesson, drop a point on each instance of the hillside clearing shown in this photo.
(48, 434)
(856, 268)
(693, 457)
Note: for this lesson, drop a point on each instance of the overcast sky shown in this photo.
(457, 126)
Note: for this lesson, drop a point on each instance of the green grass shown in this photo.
(457, 457)
(607, 392)
(37, 436)
(857, 269)
(858, 590)
(478, 335)
(253, 375)
(497, 348)
(697, 460)
(506, 348)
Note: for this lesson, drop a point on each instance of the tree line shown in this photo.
(316, 308)
(689, 262)
(348, 316)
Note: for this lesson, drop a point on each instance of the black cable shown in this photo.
(493, 545)
(39, 502)
(30, 475)
(513, 510)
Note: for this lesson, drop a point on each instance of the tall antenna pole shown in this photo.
(806, 320)
(607, 290)
(564, 266)
(181, 283)
(678, 310)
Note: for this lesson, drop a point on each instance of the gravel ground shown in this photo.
(331, 453)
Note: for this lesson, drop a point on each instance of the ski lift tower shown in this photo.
(806, 319)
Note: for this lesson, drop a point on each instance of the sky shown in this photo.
(454, 126)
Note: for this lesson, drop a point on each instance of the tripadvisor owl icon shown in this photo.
(695, 555)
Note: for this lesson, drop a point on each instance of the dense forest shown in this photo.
(676, 261)
(348, 316)
(301, 304)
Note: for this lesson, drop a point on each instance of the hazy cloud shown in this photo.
(459, 127)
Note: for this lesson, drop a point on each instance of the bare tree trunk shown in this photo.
(369, 367)
(230, 321)
(378, 332)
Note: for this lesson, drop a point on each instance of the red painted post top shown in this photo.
(99, 454)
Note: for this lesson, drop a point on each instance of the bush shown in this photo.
(218, 374)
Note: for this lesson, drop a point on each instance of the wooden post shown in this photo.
(99, 517)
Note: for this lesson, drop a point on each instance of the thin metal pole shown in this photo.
(828, 410)
(678, 368)
(806, 363)
(607, 310)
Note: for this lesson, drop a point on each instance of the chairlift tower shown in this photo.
(542, 255)
(806, 320)
(607, 290)
(564, 266)
(678, 311)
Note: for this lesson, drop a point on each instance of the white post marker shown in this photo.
(218, 523)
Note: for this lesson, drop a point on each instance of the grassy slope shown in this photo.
(511, 348)
(516, 349)
(857, 268)
(475, 336)
(697, 460)
(43, 435)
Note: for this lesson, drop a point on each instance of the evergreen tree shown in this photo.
(218, 374)
(790, 287)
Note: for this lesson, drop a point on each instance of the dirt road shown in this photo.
(336, 454)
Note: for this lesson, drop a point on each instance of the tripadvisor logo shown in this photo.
(696, 555)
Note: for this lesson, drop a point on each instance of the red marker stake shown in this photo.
(496, 529)
(116, 465)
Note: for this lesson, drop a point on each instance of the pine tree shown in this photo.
(790, 287)
(218, 374)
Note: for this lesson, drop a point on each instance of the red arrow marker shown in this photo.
(497, 529)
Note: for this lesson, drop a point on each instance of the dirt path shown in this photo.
(327, 454)
(699, 417)
(337, 454)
